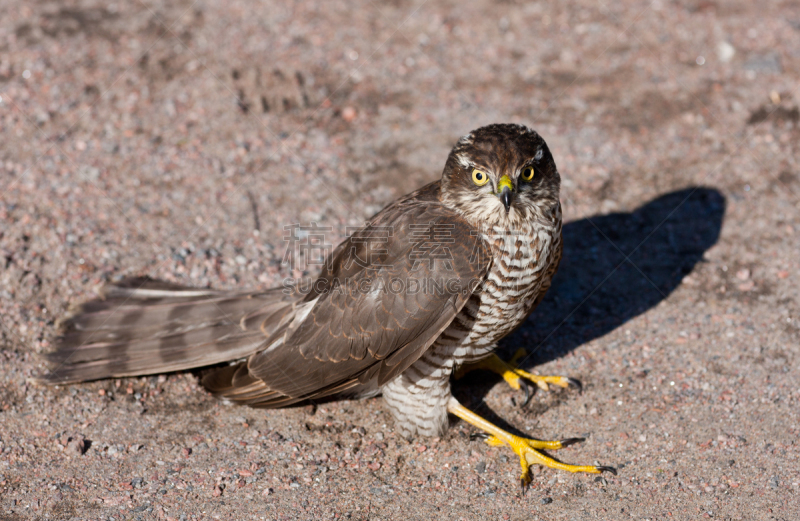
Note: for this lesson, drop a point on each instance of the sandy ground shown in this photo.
(178, 139)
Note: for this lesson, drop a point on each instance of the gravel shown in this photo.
(181, 140)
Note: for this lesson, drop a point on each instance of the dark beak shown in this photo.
(505, 196)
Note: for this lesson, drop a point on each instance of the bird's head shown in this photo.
(502, 175)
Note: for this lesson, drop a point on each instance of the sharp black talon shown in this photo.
(524, 485)
(528, 393)
(574, 384)
(571, 441)
(607, 469)
(478, 436)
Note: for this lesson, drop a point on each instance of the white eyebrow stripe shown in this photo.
(539, 154)
(463, 160)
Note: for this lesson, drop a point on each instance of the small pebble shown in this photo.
(547, 500)
(747, 286)
(349, 114)
(76, 445)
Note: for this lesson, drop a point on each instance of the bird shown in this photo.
(418, 296)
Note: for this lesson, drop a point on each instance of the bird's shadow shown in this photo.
(614, 268)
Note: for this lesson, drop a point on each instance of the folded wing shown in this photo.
(386, 295)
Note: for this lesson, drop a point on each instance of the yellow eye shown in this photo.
(527, 173)
(479, 177)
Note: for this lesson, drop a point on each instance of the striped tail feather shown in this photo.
(142, 326)
(236, 384)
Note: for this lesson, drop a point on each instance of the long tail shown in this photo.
(142, 326)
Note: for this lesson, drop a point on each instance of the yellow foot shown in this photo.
(529, 454)
(516, 377)
(528, 449)
(494, 441)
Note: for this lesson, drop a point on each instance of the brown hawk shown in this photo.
(467, 259)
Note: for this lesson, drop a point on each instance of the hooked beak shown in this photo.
(505, 190)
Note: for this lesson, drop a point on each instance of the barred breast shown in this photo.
(524, 262)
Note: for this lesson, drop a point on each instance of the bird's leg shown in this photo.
(516, 377)
(526, 448)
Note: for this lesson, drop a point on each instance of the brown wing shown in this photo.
(383, 300)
